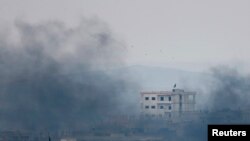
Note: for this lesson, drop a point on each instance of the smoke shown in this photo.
(230, 89)
(53, 76)
(225, 99)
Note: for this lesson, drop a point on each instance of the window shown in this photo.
(153, 98)
(146, 107)
(152, 107)
(169, 98)
(161, 98)
(180, 97)
(161, 107)
(146, 98)
(169, 107)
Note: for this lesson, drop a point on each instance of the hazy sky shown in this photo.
(187, 34)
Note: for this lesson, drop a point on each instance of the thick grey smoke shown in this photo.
(226, 101)
(53, 76)
(230, 89)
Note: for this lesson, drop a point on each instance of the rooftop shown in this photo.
(173, 92)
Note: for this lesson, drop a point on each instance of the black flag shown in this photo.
(49, 137)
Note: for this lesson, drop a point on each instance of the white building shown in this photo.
(167, 103)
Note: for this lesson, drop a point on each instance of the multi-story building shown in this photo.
(167, 103)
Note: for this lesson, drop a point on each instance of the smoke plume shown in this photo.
(53, 76)
(230, 89)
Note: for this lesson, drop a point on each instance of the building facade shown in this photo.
(167, 103)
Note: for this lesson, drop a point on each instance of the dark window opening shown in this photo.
(169, 107)
(146, 107)
(146, 98)
(161, 107)
(152, 107)
(162, 98)
(153, 98)
(169, 98)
